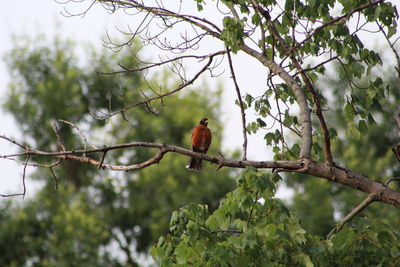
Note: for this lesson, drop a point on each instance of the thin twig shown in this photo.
(23, 181)
(396, 54)
(159, 64)
(392, 180)
(59, 139)
(54, 177)
(160, 96)
(24, 175)
(102, 159)
(83, 137)
(240, 101)
(396, 148)
(368, 200)
(279, 114)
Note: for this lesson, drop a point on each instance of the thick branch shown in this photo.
(360, 182)
(340, 175)
(305, 114)
(74, 155)
(309, 86)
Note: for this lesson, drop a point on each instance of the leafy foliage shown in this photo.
(233, 33)
(252, 228)
(245, 228)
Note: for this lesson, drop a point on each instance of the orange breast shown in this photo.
(201, 138)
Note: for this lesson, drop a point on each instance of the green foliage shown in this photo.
(200, 4)
(366, 243)
(252, 228)
(233, 33)
(249, 227)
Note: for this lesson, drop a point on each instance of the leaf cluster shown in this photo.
(252, 228)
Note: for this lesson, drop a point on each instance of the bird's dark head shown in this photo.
(204, 121)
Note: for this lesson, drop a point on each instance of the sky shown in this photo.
(27, 17)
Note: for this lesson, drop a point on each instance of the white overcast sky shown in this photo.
(27, 17)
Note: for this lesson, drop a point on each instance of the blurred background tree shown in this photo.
(95, 217)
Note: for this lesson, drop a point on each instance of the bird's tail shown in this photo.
(194, 164)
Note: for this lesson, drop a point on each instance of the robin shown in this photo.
(201, 140)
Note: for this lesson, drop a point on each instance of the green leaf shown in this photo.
(256, 19)
(371, 120)
(353, 132)
(391, 31)
(332, 132)
(233, 33)
(199, 5)
(349, 111)
(378, 82)
(313, 77)
(362, 127)
(261, 123)
(249, 99)
(244, 9)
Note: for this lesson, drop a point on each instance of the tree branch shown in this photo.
(309, 86)
(396, 54)
(144, 102)
(368, 200)
(125, 248)
(240, 102)
(161, 63)
(213, 30)
(333, 173)
(305, 114)
(396, 148)
(23, 181)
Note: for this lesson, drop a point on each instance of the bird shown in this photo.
(201, 140)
